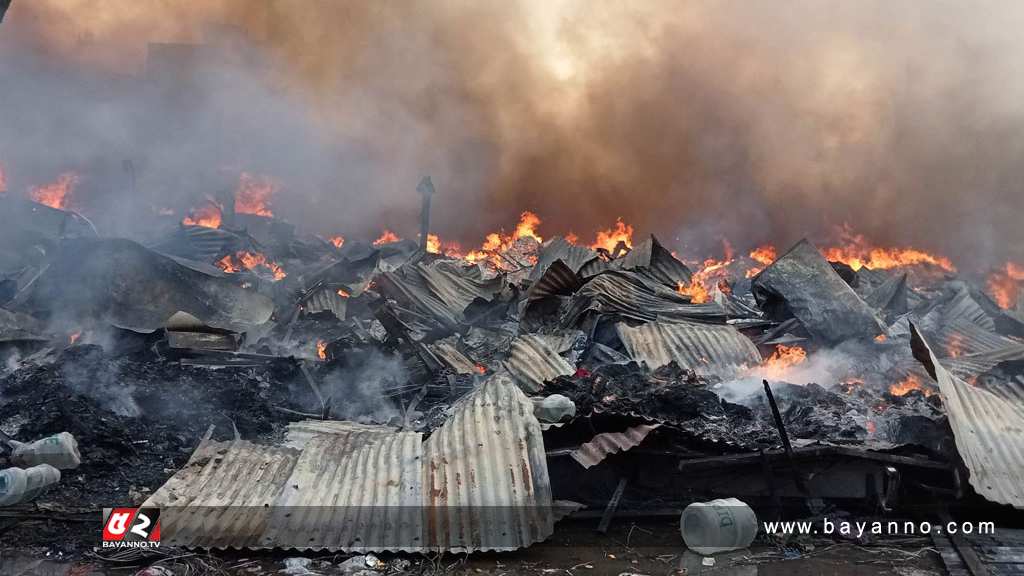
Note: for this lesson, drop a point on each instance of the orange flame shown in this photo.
(763, 255)
(386, 237)
(1004, 285)
(243, 259)
(253, 195)
(856, 252)
(73, 337)
(784, 358)
(343, 293)
(481, 369)
(58, 194)
(610, 238)
(433, 244)
(496, 242)
(911, 382)
(321, 349)
(338, 241)
(712, 272)
(208, 216)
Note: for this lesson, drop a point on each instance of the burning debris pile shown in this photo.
(419, 396)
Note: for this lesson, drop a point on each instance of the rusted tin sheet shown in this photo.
(479, 483)
(486, 482)
(709, 349)
(601, 446)
(988, 429)
(532, 362)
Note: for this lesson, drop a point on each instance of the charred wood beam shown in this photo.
(797, 479)
(426, 190)
(613, 504)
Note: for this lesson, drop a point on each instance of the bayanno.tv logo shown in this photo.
(131, 527)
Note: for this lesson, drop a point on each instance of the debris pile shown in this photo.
(270, 390)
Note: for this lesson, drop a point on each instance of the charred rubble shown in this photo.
(168, 367)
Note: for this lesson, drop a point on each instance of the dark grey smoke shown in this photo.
(752, 120)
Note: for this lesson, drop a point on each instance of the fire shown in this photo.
(784, 358)
(881, 338)
(1004, 285)
(321, 349)
(763, 255)
(481, 369)
(73, 337)
(911, 382)
(497, 242)
(572, 238)
(610, 238)
(3, 180)
(386, 237)
(695, 290)
(711, 272)
(253, 195)
(955, 346)
(856, 252)
(243, 259)
(338, 241)
(208, 216)
(433, 244)
(57, 194)
(343, 293)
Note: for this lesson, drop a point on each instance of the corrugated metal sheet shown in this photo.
(557, 248)
(890, 298)
(630, 296)
(479, 483)
(955, 305)
(486, 475)
(558, 279)
(450, 355)
(439, 291)
(300, 433)
(532, 362)
(988, 430)
(963, 337)
(652, 259)
(601, 446)
(326, 299)
(704, 348)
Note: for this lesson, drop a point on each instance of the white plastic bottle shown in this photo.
(718, 526)
(59, 451)
(20, 485)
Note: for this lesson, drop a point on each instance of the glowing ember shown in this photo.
(58, 194)
(243, 259)
(338, 241)
(881, 338)
(208, 216)
(763, 255)
(610, 238)
(253, 195)
(386, 237)
(73, 337)
(911, 382)
(321, 349)
(856, 252)
(784, 358)
(343, 293)
(1004, 285)
(481, 369)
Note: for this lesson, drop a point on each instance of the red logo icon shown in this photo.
(131, 527)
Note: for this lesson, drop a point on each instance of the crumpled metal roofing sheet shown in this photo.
(655, 261)
(706, 349)
(479, 483)
(559, 279)
(532, 362)
(988, 430)
(558, 248)
(326, 299)
(630, 296)
(486, 479)
(601, 446)
(963, 337)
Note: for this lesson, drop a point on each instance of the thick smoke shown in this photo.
(749, 120)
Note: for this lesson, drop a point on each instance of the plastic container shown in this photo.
(20, 485)
(59, 451)
(718, 526)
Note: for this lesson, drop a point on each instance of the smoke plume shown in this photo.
(749, 120)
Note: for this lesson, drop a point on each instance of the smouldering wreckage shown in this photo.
(404, 400)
